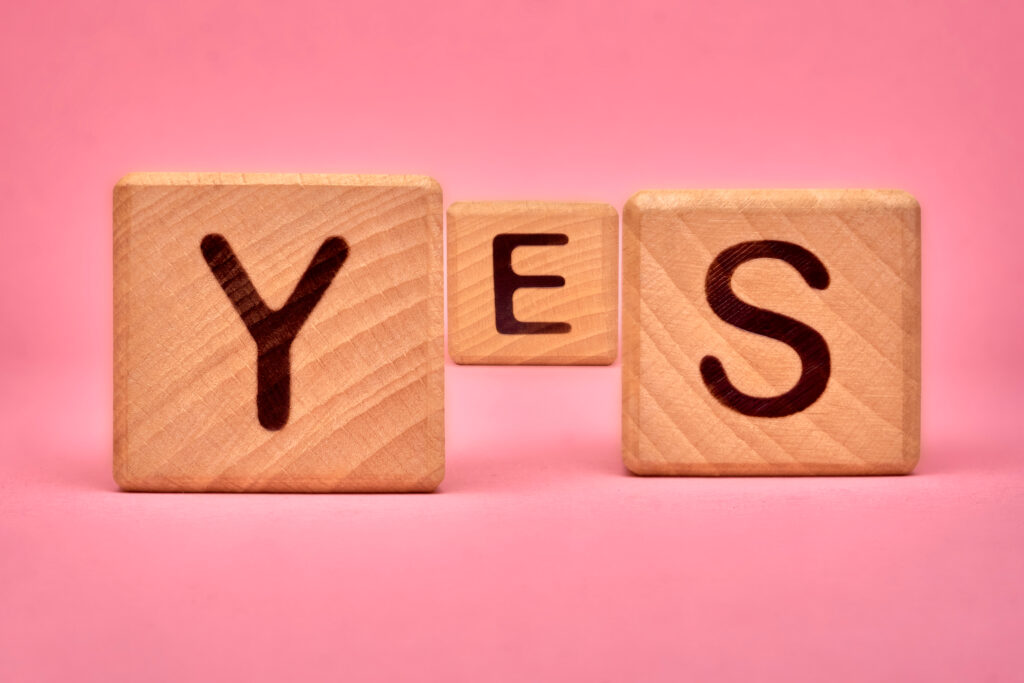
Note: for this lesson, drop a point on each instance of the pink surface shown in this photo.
(540, 558)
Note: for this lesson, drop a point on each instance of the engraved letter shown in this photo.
(809, 345)
(273, 330)
(506, 282)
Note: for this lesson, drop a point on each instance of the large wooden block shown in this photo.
(771, 332)
(278, 333)
(532, 283)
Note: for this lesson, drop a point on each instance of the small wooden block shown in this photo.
(532, 283)
(771, 332)
(278, 333)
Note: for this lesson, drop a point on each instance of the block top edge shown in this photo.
(147, 179)
(655, 200)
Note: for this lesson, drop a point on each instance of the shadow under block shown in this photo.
(350, 398)
(532, 283)
(831, 388)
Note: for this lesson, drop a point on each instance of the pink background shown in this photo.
(540, 558)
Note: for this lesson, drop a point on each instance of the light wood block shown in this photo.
(832, 388)
(340, 279)
(532, 283)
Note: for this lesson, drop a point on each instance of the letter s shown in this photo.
(809, 345)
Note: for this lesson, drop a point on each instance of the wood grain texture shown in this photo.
(867, 420)
(366, 392)
(587, 303)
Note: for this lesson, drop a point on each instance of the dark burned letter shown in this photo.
(506, 282)
(273, 331)
(811, 346)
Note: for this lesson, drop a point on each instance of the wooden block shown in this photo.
(532, 283)
(771, 332)
(278, 333)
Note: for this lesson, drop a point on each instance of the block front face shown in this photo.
(532, 283)
(771, 332)
(353, 263)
